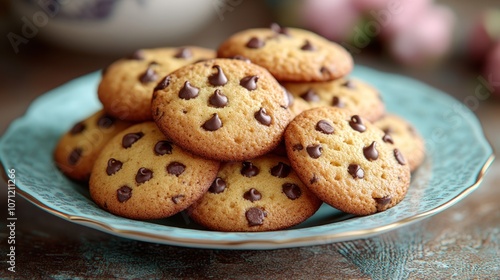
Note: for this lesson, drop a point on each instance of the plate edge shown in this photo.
(252, 243)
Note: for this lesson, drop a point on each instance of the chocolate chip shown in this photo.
(292, 191)
(176, 199)
(249, 170)
(136, 55)
(124, 193)
(218, 78)
(176, 168)
(255, 43)
(218, 100)
(163, 83)
(148, 76)
(325, 71)
(183, 53)
(337, 102)
(308, 46)
(188, 91)
(387, 138)
(77, 128)
(298, 147)
(163, 148)
(262, 117)
(218, 185)
(240, 57)
(399, 157)
(213, 123)
(143, 175)
(325, 127)
(348, 84)
(382, 201)
(255, 216)
(314, 151)
(278, 29)
(249, 82)
(75, 156)
(387, 130)
(313, 180)
(252, 195)
(356, 171)
(130, 139)
(371, 152)
(310, 96)
(105, 121)
(357, 124)
(113, 166)
(158, 115)
(282, 170)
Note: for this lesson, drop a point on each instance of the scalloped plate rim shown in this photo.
(256, 243)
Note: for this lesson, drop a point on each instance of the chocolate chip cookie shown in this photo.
(290, 54)
(141, 174)
(223, 109)
(403, 135)
(352, 94)
(77, 150)
(127, 85)
(256, 195)
(347, 161)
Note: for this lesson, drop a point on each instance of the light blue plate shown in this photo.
(457, 157)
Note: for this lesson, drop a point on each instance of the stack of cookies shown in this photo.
(255, 136)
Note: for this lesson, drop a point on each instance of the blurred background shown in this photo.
(451, 45)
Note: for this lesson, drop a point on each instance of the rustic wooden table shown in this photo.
(461, 242)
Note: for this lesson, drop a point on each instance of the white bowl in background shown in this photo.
(112, 26)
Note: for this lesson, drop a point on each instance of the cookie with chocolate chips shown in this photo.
(346, 162)
(403, 135)
(290, 54)
(127, 84)
(261, 194)
(223, 109)
(141, 174)
(78, 148)
(351, 94)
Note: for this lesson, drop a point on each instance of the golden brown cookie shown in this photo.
(404, 136)
(141, 174)
(351, 94)
(290, 54)
(346, 162)
(223, 109)
(262, 194)
(78, 148)
(127, 85)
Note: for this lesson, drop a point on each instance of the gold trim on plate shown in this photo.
(290, 242)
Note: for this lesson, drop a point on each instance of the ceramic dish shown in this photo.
(457, 157)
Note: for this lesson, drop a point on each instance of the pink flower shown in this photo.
(403, 15)
(370, 5)
(429, 38)
(334, 20)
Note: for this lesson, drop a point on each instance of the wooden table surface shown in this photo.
(461, 242)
